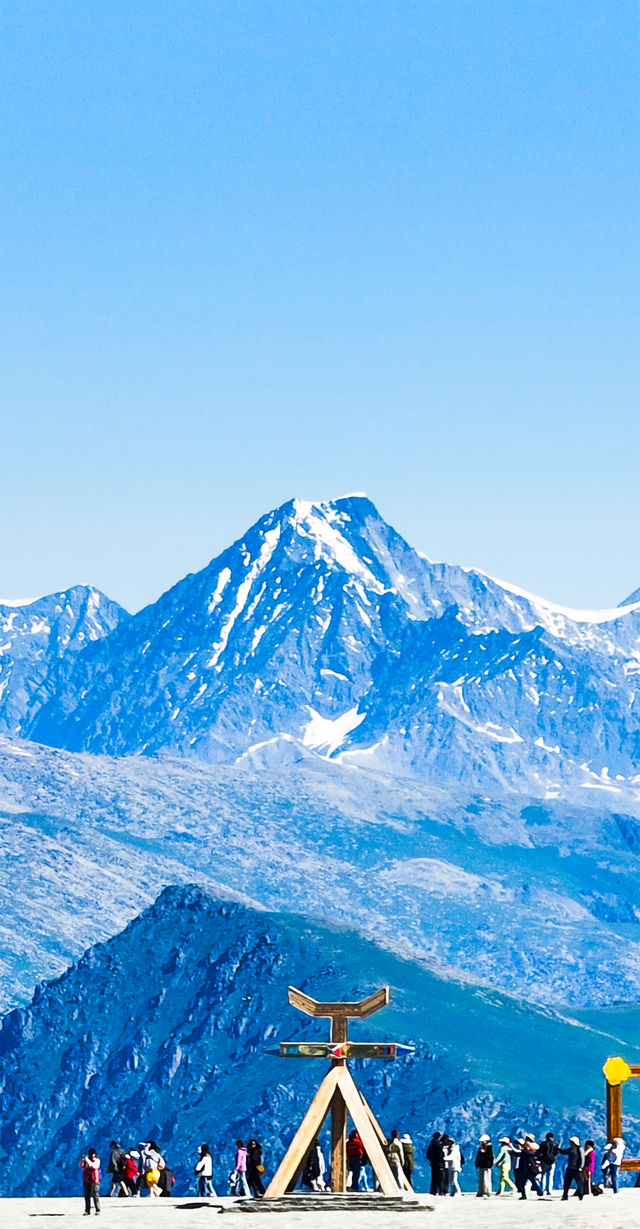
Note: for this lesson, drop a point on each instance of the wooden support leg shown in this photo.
(291, 1163)
(362, 1121)
(381, 1135)
(338, 1143)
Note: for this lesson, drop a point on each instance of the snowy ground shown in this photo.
(607, 1212)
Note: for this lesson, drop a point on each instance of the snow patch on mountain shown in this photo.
(326, 734)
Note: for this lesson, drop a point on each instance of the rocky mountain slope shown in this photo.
(321, 631)
(160, 1032)
(537, 898)
(36, 636)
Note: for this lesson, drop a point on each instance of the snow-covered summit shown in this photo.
(321, 631)
(36, 635)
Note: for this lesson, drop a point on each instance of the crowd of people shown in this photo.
(524, 1163)
(132, 1172)
(520, 1164)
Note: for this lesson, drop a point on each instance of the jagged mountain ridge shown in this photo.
(36, 636)
(536, 898)
(160, 1032)
(322, 626)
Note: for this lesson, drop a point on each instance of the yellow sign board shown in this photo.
(616, 1071)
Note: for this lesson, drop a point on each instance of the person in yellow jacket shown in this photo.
(503, 1164)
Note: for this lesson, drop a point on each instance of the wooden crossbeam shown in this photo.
(361, 1009)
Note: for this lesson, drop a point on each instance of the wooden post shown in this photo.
(338, 1145)
(614, 1110)
(338, 1114)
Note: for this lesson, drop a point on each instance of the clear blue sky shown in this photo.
(257, 249)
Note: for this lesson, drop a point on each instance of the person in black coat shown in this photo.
(484, 1165)
(528, 1170)
(547, 1153)
(435, 1157)
(255, 1169)
(575, 1165)
(116, 1169)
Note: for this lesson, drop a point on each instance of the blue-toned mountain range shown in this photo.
(451, 760)
(323, 632)
(160, 1033)
(321, 722)
(538, 898)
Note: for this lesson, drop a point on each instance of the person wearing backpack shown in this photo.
(395, 1156)
(547, 1153)
(116, 1169)
(408, 1164)
(152, 1163)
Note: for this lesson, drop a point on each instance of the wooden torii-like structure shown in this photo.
(616, 1072)
(338, 1095)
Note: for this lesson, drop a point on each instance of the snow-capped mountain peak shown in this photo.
(322, 632)
(35, 636)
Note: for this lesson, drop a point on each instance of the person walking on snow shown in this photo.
(131, 1172)
(204, 1172)
(255, 1169)
(355, 1156)
(547, 1153)
(435, 1157)
(240, 1169)
(453, 1164)
(116, 1169)
(589, 1166)
(409, 1157)
(90, 1165)
(395, 1152)
(484, 1165)
(615, 1155)
(503, 1164)
(529, 1168)
(575, 1165)
(152, 1162)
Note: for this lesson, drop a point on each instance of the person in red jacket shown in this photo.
(130, 1172)
(355, 1157)
(90, 1165)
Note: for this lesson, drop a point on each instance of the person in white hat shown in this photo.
(575, 1165)
(503, 1165)
(484, 1165)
